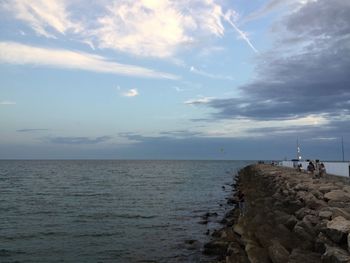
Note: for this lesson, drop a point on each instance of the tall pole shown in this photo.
(342, 147)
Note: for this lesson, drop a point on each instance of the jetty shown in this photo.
(290, 217)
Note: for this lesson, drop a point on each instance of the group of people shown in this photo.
(319, 170)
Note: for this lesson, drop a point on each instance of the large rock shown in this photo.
(325, 215)
(321, 241)
(335, 255)
(278, 253)
(216, 247)
(337, 196)
(256, 253)
(304, 256)
(327, 188)
(338, 228)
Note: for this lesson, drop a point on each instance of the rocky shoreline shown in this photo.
(291, 217)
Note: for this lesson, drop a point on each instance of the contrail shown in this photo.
(241, 33)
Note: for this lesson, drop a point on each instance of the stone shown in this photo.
(325, 215)
(335, 255)
(302, 234)
(215, 247)
(327, 188)
(348, 240)
(298, 255)
(278, 253)
(338, 228)
(255, 253)
(321, 241)
(337, 196)
(291, 222)
(235, 254)
(238, 229)
(302, 212)
(339, 212)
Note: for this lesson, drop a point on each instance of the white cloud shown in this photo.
(131, 93)
(15, 53)
(44, 16)
(5, 102)
(203, 100)
(156, 28)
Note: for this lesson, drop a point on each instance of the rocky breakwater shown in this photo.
(290, 217)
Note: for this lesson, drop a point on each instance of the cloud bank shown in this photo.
(15, 53)
(306, 74)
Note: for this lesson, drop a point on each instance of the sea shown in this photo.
(111, 210)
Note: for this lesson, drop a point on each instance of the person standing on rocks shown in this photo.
(311, 168)
(241, 203)
(322, 171)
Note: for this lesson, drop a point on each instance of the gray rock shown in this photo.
(291, 222)
(298, 255)
(215, 247)
(337, 229)
(337, 196)
(335, 255)
(278, 253)
(255, 253)
(327, 188)
(321, 241)
(325, 215)
(339, 212)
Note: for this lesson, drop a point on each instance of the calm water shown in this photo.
(110, 211)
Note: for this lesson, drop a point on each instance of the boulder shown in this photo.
(335, 255)
(215, 247)
(338, 229)
(298, 255)
(339, 212)
(255, 253)
(337, 196)
(325, 215)
(291, 222)
(278, 253)
(321, 241)
(235, 254)
(327, 188)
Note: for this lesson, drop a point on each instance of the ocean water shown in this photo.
(110, 211)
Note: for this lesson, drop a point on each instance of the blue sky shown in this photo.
(198, 79)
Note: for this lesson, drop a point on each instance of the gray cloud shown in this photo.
(78, 140)
(313, 78)
(31, 130)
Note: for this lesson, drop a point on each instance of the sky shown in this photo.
(174, 79)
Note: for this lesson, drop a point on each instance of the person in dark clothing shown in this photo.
(311, 168)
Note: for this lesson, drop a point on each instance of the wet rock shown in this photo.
(278, 253)
(192, 244)
(335, 255)
(215, 247)
(236, 254)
